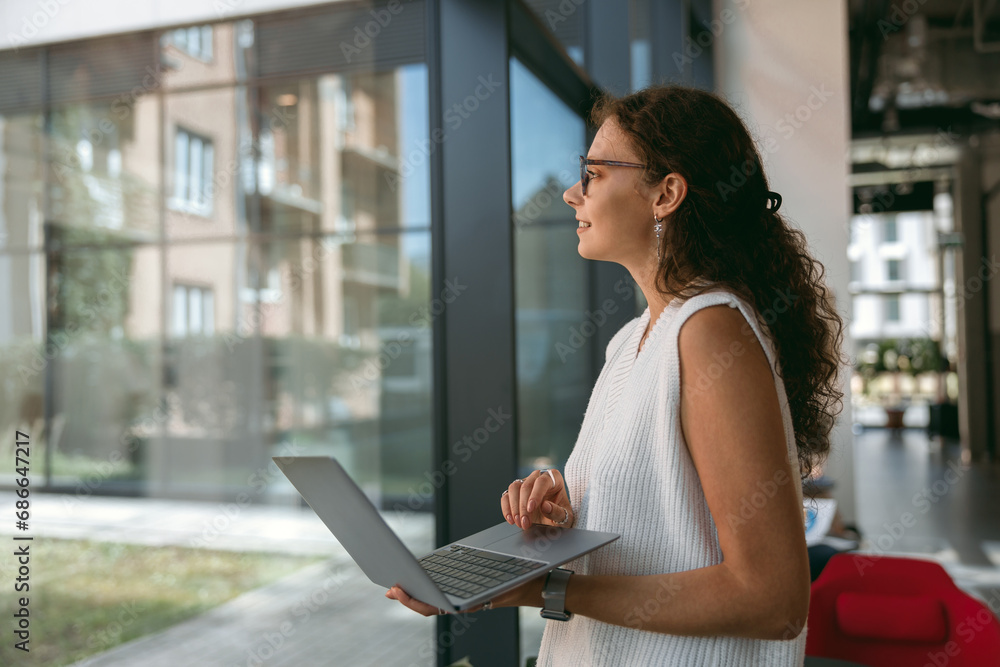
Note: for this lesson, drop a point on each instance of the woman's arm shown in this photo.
(732, 424)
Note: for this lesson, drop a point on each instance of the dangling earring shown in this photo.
(658, 227)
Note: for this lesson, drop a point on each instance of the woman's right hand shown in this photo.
(538, 498)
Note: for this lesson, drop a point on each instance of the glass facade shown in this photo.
(218, 245)
(211, 255)
(551, 278)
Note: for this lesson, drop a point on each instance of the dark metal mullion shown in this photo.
(668, 22)
(439, 398)
(988, 353)
(547, 59)
(703, 67)
(474, 335)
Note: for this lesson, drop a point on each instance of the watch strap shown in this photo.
(554, 595)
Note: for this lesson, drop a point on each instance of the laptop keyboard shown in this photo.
(464, 571)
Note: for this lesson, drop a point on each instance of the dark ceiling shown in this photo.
(924, 66)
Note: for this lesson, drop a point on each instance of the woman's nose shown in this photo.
(569, 195)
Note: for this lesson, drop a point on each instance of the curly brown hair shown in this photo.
(724, 232)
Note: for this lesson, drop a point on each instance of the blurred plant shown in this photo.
(906, 355)
(909, 356)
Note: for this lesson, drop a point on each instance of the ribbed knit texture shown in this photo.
(630, 472)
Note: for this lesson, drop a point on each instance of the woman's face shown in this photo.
(617, 206)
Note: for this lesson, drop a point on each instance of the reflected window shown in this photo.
(893, 269)
(195, 41)
(193, 311)
(892, 308)
(890, 234)
(193, 155)
(856, 271)
(641, 56)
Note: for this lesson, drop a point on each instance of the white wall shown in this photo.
(32, 22)
(784, 65)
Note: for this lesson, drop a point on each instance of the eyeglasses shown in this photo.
(585, 177)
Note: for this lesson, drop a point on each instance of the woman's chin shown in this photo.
(588, 251)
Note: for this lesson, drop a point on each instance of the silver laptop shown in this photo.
(455, 577)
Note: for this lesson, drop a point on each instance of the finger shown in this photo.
(558, 514)
(541, 489)
(397, 593)
(523, 496)
(512, 495)
(505, 508)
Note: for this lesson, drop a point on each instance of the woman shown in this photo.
(696, 438)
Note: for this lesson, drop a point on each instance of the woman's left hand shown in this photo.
(509, 598)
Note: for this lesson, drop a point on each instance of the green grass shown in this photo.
(87, 597)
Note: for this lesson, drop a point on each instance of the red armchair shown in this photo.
(884, 611)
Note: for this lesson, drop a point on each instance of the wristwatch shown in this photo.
(554, 595)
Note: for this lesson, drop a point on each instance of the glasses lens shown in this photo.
(583, 174)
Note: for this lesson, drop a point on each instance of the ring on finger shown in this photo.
(565, 518)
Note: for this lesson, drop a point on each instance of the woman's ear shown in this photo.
(672, 191)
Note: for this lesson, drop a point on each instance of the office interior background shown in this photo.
(253, 228)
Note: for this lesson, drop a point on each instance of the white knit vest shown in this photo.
(630, 472)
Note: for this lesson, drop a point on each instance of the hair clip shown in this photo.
(774, 199)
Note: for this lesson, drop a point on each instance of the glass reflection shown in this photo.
(348, 350)
(236, 267)
(104, 325)
(23, 357)
(553, 358)
(104, 167)
(338, 154)
(204, 153)
(566, 20)
(206, 54)
(21, 178)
